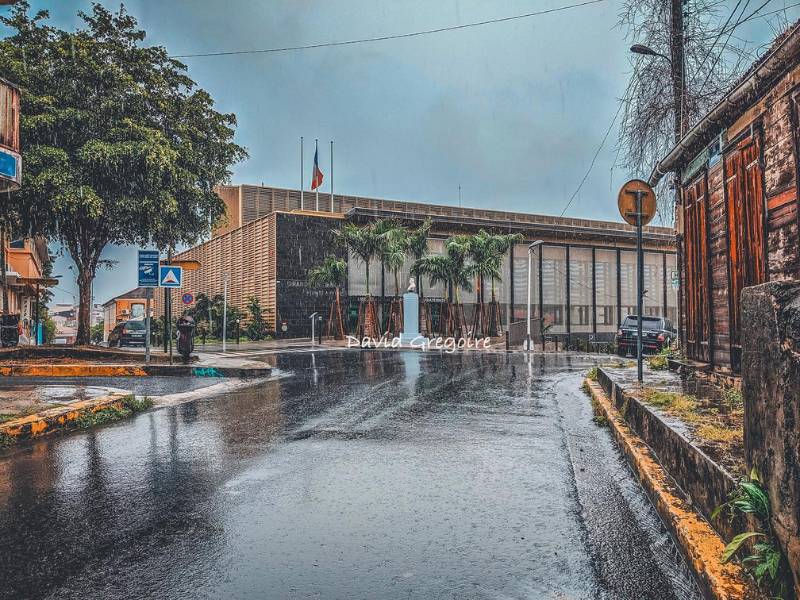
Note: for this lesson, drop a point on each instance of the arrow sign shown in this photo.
(170, 276)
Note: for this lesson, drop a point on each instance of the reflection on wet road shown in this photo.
(358, 475)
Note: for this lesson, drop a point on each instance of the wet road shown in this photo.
(354, 475)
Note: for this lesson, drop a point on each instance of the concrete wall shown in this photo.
(771, 389)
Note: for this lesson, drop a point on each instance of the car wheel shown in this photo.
(621, 351)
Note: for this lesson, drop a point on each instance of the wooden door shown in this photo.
(696, 297)
(745, 208)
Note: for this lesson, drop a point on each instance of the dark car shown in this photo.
(657, 334)
(128, 333)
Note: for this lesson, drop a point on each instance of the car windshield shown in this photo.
(649, 323)
(134, 326)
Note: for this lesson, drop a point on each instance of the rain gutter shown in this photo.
(737, 100)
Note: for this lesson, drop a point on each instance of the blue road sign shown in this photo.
(171, 277)
(148, 268)
(8, 164)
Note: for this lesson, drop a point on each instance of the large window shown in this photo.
(627, 282)
(606, 276)
(653, 302)
(580, 290)
(521, 282)
(554, 287)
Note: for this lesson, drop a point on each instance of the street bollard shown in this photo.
(508, 346)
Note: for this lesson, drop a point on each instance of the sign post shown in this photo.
(148, 278)
(637, 205)
(169, 276)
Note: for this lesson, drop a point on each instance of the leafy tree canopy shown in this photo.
(119, 145)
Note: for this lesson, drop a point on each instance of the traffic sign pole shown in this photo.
(639, 285)
(147, 327)
(638, 215)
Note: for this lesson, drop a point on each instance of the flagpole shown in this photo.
(316, 149)
(331, 176)
(301, 173)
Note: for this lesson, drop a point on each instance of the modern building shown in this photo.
(738, 215)
(583, 282)
(125, 307)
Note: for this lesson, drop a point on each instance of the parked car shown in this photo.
(657, 334)
(128, 333)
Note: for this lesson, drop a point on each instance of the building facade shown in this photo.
(128, 306)
(738, 217)
(583, 281)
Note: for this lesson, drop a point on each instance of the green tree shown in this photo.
(121, 147)
(364, 243)
(97, 332)
(331, 273)
(257, 327)
(48, 330)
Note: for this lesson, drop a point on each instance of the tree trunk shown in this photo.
(85, 278)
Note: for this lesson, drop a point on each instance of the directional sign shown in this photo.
(187, 298)
(170, 276)
(148, 268)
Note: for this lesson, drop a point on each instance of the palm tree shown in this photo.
(452, 270)
(501, 244)
(457, 248)
(332, 273)
(364, 245)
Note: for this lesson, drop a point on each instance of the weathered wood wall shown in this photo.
(740, 223)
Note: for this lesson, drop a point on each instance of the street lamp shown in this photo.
(647, 51)
(530, 252)
(678, 83)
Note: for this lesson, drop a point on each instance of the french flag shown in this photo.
(316, 175)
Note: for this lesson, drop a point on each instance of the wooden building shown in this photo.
(583, 281)
(10, 160)
(737, 215)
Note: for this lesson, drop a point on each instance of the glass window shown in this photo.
(580, 290)
(653, 301)
(606, 276)
(554, 287)
(627, 281)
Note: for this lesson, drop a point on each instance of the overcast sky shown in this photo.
(513, 112)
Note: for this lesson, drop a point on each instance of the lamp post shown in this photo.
(530, 252)
(678, 74)
(225, 315)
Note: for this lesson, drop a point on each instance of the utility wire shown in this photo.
(608, 132)
(394, 37)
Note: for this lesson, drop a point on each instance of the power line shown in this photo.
(394, 37)
(602, 143)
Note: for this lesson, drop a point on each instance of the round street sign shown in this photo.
(187, 298)
(626, 201)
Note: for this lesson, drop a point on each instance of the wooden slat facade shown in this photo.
(739, 222)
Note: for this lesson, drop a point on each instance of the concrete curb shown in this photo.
(700, 545)
(152, 370)
(55, 419)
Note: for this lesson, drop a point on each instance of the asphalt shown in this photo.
(360, 474)
(69, 389)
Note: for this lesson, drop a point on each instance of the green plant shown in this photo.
(734, 398)
(751, 498)
(134, 161)
(97, 332)
(592, 374)
(658, 362)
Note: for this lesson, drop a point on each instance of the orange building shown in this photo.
(125, 307)
(25, 259)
